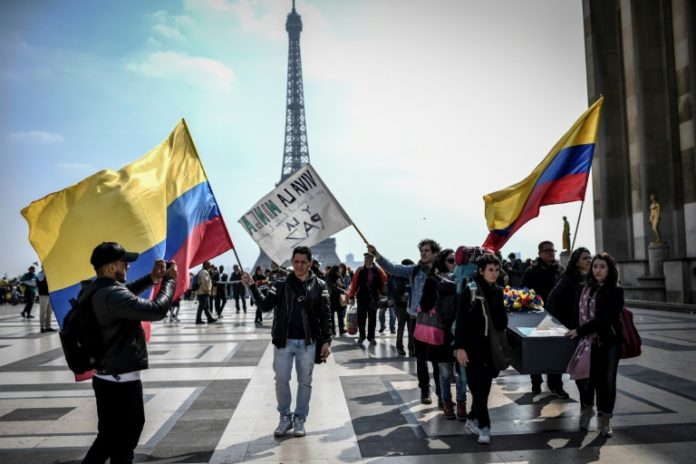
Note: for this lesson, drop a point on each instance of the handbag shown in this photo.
(630, 346)
(352, 320)
(429, 328)
(501, 353)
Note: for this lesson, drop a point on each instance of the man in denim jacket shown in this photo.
(416, 273)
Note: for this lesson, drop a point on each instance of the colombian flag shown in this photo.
(560, 178)
(160, 206)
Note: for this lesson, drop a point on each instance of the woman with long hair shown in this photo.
(472, 340)
(442, 281)
(564, 298)
(596, 359)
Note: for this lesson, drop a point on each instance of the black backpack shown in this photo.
(194, 283)
(80, 336)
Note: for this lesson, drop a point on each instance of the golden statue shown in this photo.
(566, 234)
(655, 218)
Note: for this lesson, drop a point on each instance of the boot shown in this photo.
(586, 415)
(461, 410)
(604, 427)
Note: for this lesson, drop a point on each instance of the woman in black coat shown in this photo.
(564, 298)
(473, 344)
(440, 292)
(596, 360)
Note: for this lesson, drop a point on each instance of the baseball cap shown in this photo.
(108, 252)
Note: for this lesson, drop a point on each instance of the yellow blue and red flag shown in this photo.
(560, 178)
(160, 206)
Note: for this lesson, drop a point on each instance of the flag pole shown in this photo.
(239, 262)
(575, 235)
(360, 233)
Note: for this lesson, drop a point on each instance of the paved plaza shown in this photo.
(209, 397)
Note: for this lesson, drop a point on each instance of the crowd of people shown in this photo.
(585, 296)
(309, 310)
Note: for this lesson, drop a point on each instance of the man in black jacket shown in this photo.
(119, 312)
(542, 276)
(238, 290)
(301, 325)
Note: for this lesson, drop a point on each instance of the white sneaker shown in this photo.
(484, 435)
(299, 427)
(284, 425)
(472, 426)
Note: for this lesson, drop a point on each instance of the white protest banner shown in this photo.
(301, 211)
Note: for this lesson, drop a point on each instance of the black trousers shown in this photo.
(604, 363)
(367, 311)
(28, 299)
(553, 381)
(479, 380)
(203, 306)
(237, 296)
(339, 313)
(220, 300)
(121, 419)
(402, 317)
(421, 350)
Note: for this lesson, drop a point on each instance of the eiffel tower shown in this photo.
(296, 153)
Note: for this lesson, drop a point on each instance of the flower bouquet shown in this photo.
(519, 299)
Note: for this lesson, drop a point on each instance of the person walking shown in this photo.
(542, 276)
(334, 283)
(238, 289)
(417, 274)
(301, 326)
(564, 299)
(367, 288)
(220, 285)
(45, 308)
(205, 287)
(398, 290)
(440, 294)
(596, 360)
(472, 340)
(28, 280)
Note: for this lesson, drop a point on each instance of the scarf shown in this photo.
(579, 365)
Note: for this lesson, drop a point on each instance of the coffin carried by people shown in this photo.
(538, 342)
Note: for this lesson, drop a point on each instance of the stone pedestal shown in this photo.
(657, 254)
(565, 256)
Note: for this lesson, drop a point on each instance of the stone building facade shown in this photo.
(641, 55)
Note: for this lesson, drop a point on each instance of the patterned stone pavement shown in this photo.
(210, 398)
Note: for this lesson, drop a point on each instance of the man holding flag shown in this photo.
(119, 312)
(301, 335)
(159, 206)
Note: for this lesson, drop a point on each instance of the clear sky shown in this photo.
(415, 109)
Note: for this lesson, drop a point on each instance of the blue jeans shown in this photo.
(383, 317)
(447, 369)
(304, 365)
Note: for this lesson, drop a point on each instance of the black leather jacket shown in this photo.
(119, 312)
(316, 319)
